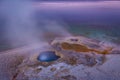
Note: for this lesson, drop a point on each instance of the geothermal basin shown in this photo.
(72, 64)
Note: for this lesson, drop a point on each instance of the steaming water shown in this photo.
(26, 22)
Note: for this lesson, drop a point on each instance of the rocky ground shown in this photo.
(80, 59)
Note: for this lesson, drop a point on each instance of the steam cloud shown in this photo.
(21, 25)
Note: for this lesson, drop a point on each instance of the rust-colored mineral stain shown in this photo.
(81, 48)
(75, 47)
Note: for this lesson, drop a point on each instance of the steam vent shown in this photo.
(70, 58)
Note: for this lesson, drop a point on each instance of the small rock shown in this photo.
(53, 69)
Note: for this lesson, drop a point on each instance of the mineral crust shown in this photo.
(81, 44)
(76, 54)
